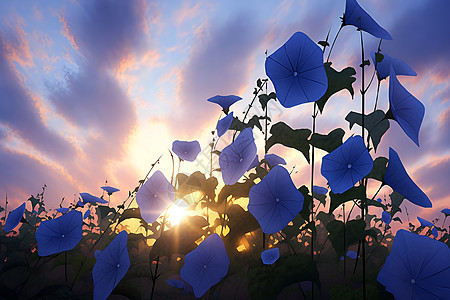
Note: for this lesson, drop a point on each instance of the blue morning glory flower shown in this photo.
(320, 190)
(384, 67)
(14, 218)
(206, 265)
(435, 232)
(379, 200)
(154, 197)
(446, 211)
(274, 160)
(424, 222)
(86, 214)
(418, 267)
(407, 110)
(89, 198)
(80, 203)
(111, 266)
(297, 72)
(270, 256)
(59, 234)
(347, 164)
(224, 124)
(352, 254)
(275, 200)
(186, 150)
(63, 210)
(235, 159)
(386, 217)
(254, 164)
(398, 179)
(109, 189)
(224, 101)
(176, 283)
(358, 17)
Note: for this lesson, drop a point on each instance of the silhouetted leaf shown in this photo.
(356, 192)
(379, 168)
(264, 99)
(240, 222)
(306, 210)
(239, 125)
(267, 282)
(196, 182)
(292, 138)
(397, 219)
(180, 239)
(328, 142)
(33, 201)
(236, 191)
(294, 230)
(131, 213)
(337, 81)
(354, 232)
(104, 211)
(375, 123)
(396, 200)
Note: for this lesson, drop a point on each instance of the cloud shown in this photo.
(219, 64)
(20, 111)
(420, 37)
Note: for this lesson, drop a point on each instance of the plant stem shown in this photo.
(65, 264)
(345, 260)
(155, 277)
(334, 41)
(363, 92)
(314, 116)
(29, 275)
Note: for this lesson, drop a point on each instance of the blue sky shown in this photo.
(95, 90)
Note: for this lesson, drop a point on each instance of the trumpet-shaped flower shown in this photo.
(14, 218)
(224, 101)
(320, 190)
(297, 72)
(62, 210)
(224, 124)
(358, 17)
(384, 67)
(424, 222)
(206, 265)
(275, 201)
(346, 165)
(446, 211)
(186, 150)
(398, 179)
(235, 159)
(418, 267)
(386, 217)
(59, 234)
(111, 266)
(274, 160)
(109, 189)
(154, 196)
(90, 198)
(407, 110)
(86, 214)
(270, 256)
(352, 254)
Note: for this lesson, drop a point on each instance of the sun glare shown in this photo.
(175, 214)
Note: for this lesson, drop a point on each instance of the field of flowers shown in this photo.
(288, 242)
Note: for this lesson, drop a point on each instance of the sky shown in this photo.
(97, 90)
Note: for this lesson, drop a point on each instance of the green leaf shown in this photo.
(354, 232)
(238, 125)
(294, 230)
(180, 239)
(396, 201)
(356, 192)
(104, 211)
(196, 182)
(370, 202)
(266, 282)
(131, 213)
(379, 168)
(375, 123)
(327, 142)
(292, 138)
(264, 99)
(259, 82)
(324, 218)
(240, 222)
(379, 57)
(1, 209)
(306, 211)
(236, 191)
(337, 81)
(33, 201)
